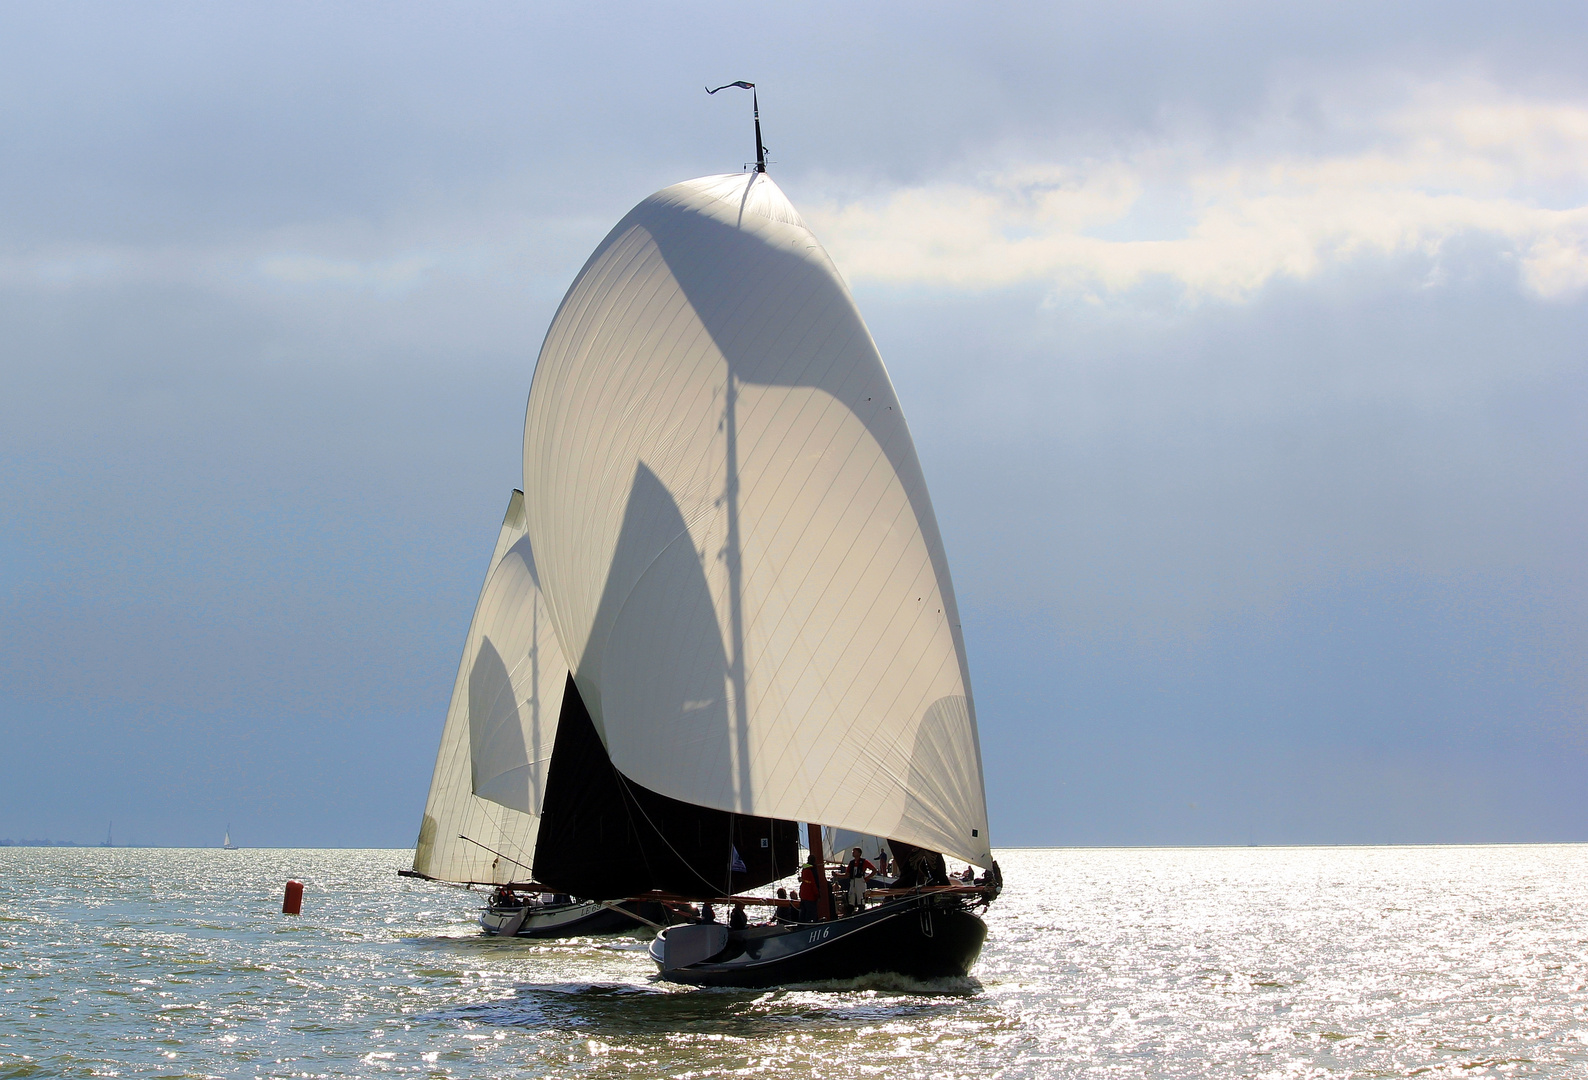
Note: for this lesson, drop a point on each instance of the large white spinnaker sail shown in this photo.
(734, 536)
(491, 770)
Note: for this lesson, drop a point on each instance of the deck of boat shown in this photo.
(579, 919)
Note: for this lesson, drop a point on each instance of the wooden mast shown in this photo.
(824, 902)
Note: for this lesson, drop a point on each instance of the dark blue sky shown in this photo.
(1244, 350)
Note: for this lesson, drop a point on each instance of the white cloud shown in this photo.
(1340, 177)
(316, 270)
(70, 266)
(1450, 161)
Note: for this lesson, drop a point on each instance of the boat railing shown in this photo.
(980, 891)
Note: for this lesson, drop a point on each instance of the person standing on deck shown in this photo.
(808, 892)
(860, 871)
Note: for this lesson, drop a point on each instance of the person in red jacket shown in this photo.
(808, 893)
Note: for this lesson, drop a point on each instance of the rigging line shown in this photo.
(510, 843)
(498, 854)
(501, 828)
(661, 835)
(615, 905)
(521, 886)
(627, 812)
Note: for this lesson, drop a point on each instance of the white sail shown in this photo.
(734, 536)
(839, 845)
(490, 772)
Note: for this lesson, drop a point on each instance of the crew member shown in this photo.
(808, 892)
(860, 871)
(737, 919)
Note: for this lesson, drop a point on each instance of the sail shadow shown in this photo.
(656, 670)
(663, 667)
(496, 731)
(780, 317)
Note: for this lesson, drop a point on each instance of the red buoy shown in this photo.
(292, 903)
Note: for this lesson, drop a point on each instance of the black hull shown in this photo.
(595, 923)
(922, 938)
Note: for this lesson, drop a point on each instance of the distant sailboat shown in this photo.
(227, 842)
(483, 814)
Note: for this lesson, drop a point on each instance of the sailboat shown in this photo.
(721, 610)
(483, 813)
(226, 843)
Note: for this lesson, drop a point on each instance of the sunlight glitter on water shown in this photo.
(1249, 962)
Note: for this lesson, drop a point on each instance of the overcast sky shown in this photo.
(1245, 348)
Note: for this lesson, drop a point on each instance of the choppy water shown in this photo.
(1125, 963)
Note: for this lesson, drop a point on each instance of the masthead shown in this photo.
(755, 105)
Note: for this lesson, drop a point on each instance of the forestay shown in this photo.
(734, 536)
(491, 770)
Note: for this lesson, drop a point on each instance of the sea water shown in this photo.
(1249, 962)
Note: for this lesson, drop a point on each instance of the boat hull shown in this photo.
(920, 938)
(568, 920)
